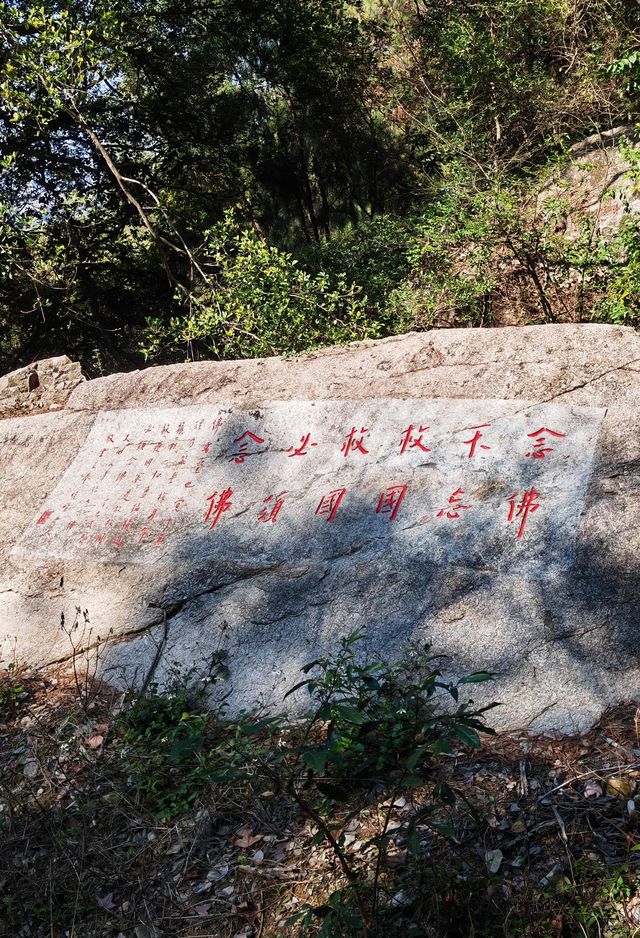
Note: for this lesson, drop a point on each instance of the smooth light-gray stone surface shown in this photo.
(554, 612)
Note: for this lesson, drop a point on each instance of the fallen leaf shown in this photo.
(202, 908)
(106, 902)
(493, 859)
(95, 741)
(246, 838)
(620, 787)
(30, 768)
(592, 790)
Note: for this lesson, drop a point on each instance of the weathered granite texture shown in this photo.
(561, 632)
(43, 386)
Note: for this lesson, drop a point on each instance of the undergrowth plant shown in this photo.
(370, 729)
(172, 747)
(12, 690)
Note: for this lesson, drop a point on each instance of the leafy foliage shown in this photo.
(236, 178)
(262, 304)
(171, 745)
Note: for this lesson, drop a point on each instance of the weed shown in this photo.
(12, 690)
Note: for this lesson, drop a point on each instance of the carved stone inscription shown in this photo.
(490, 484)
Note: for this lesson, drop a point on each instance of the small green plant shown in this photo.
(374, 726)
(12, 690)
(172, 747)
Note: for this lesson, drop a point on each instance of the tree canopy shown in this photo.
(229, 178)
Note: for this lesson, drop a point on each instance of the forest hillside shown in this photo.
(184, 180)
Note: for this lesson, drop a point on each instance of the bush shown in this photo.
(260, 302)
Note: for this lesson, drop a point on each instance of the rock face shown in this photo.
(43, 386)
(477, 488)
(598, 186)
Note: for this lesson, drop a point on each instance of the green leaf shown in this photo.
(352, 714)
(442, 745)
(295, 687)
(444, 793)
(316, 759)
(478, 677)
(444, 828)
(467, 736)
(413, 842)
(412, 760)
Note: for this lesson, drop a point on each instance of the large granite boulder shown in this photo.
(478, 488)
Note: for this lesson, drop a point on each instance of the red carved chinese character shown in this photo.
(271, 512)
(539, 450)
(473, 442)
(455, 506)
(390, 501)
(166, 429)
(411, 440)
(243, 450)
(353, 443)
(110, 438)
(180, 428)
(528, 504)
(301, 450)
(44, 517)
(217, 508)
(330, 503)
